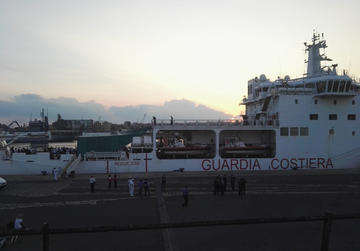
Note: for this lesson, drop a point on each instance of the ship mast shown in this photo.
(314, 56)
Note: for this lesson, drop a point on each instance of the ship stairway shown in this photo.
(266, 104)
(71, 165)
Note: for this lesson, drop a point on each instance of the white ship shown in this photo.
(304, 123)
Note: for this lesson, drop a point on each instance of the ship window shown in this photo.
(185, 144)
(314, 116)
(321, 86)
(284, 131)
(296, 101)
(351, 117)
(331, 131)
(294, 131)
(246, 144)
(353, 102)
(336, 85)
(353, 133)
(265, 89)
(332, 116)
(348, 84)
(335, 102)
(310, 85)
(142, 144)
(304, 131)
(315, 101)
(330, 86)
(342, 86)
(249, 89)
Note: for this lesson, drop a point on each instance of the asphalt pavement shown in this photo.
(68, 203)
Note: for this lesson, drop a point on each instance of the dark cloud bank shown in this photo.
(21, 107)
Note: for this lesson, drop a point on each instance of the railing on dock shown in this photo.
(327, 220)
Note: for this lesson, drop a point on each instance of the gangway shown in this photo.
(71, 165)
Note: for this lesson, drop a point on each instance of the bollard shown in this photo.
(326, 232)
(45, 233)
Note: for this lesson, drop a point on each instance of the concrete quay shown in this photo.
(68, 203)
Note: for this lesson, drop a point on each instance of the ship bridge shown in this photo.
(319, 81)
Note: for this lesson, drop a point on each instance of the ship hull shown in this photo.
(22, 164)
(152, 164)
(32, 164)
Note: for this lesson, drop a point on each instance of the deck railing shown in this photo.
(270, 123)
(326, 220)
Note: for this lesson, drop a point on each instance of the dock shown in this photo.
(68, 203)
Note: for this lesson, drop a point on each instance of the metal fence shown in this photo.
(327, 220)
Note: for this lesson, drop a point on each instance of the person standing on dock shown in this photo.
(216, 185)
(115, 181)
(222, 185)
(185, 196)
(146, 187)
(131, 186)
(225, 182)
(140, 187)
(163, 184)
(171, 120)
(242, 188)
(92, 182)
(109, 181)
(54, 173)
(232, 181)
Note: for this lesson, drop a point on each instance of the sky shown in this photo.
(135, 53)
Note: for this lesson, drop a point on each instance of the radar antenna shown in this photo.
(314, 56)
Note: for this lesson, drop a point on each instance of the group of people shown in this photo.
(56, 152)
(143, 185)
(220, 185)
(112, 180)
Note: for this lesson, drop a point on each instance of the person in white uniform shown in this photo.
(131, 187)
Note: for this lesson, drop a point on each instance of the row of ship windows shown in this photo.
(304, 131)
(333, 117)
(322, 86)
(294, 131)
(316, 101)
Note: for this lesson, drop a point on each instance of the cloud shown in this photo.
(24, 106)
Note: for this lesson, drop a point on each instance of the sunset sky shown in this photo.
(133, 52)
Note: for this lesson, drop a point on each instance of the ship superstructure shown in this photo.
(316, 114)
(307, 122)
